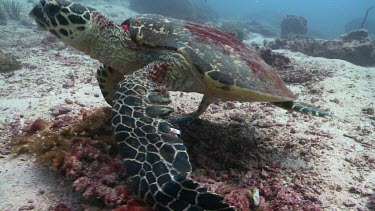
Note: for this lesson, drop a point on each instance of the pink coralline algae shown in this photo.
(98, 172)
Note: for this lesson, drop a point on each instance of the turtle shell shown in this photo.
(217, 55)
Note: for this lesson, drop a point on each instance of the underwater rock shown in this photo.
(59, 110)
(356, 24)
(356, 47)
(235, 29)
(293, 25)
(276, 60)
(359, 35)
(257, 27)
(290, 72)
(8, 64)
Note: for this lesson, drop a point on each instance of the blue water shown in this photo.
(325, 17)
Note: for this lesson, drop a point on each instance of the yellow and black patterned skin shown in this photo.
(144, 57)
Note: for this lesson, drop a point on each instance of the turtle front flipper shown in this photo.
(108, 78)
(155, 158)
(302, 108)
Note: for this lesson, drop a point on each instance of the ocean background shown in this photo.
(325, 17)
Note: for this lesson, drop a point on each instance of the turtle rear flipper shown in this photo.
(302, 108)
(155, 158)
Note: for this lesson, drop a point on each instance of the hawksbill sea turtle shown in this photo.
(144, 57)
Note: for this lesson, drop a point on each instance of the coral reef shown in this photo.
(356, 47)
(8, 64)
(293, 25)
(12, 9)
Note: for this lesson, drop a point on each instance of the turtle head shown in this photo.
(88, 31)
(64, 19)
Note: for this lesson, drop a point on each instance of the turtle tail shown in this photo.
(302, 108)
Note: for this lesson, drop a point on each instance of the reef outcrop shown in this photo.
(293, 25)
(356, 47)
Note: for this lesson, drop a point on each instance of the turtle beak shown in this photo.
(38, 14)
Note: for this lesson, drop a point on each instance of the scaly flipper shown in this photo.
(155, 158)
(302, 108)
(108, 79)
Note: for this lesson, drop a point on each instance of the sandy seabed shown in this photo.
(334, 158)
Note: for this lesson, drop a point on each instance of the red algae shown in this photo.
(217, 39)
(35, 126)
(83, 149)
